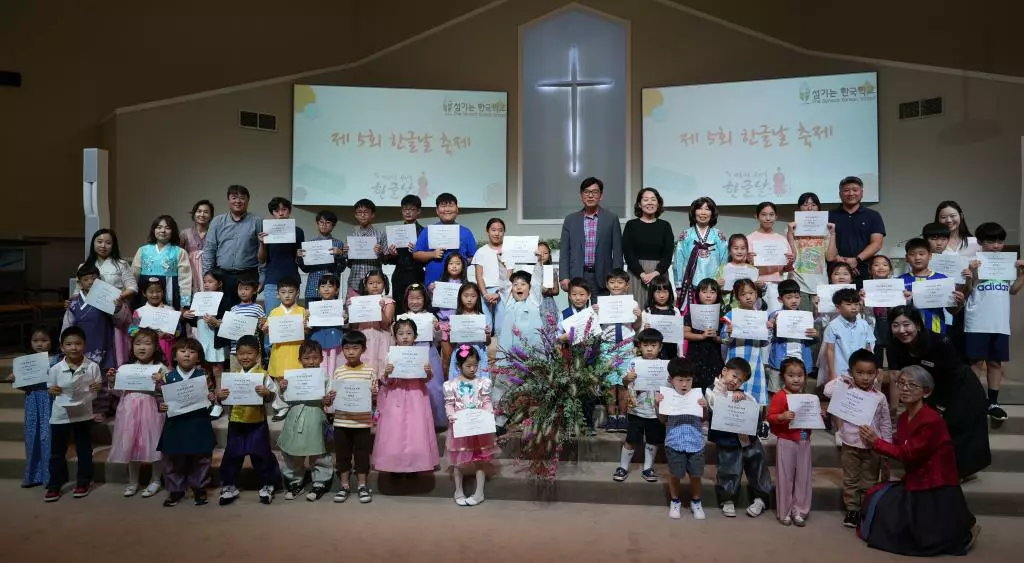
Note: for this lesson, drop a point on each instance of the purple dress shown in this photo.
(193, 245)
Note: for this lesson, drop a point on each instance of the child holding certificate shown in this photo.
(613, 342)
(846, 334)
(919, 255)
(153, 291)
(214, 347)
(405, 442)
(643, 425)
(793, 451)
(329, 337)
(378, 333)
(352, 439)
(782, 348)
(302, 436)
(99, 329)
(753, 352)
(246, 307)
(139, 423)
(471, 303)
(468, 391)
(417, 303)
(453, 270)
(737, 268)
(684, 440)
(37, 416)
(284, 355)
(579, 300)
(704, 347)
(659, 302)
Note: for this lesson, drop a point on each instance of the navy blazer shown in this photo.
(608, 255)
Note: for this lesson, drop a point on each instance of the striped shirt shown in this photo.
(934, 319)
(249, 310)
(357, 269)
(755, 352)
(362, 372)
(589, 239)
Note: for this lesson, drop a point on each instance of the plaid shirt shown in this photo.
(357, 269)
(684, 434)
(589, 239)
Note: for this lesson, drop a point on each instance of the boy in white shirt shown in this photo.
(642, 424)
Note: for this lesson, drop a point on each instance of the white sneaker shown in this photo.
(152, 489)
(729, 510)
(228, 495)
(267, 494)
(675, 509)
(130, 490)
(697, 508)
(756, 508)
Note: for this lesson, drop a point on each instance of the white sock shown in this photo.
(133, 473)
(625, 458)
(649, 453)
(478, 494)
(158, 470)
(457, 473)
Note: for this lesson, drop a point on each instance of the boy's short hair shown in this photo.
(520, 275)
(845, 295)
(248, 341)
(327, 215)
(365, 204)
(329, 279)
(310, 346)
(862, 355)
(412, 200)
(916, 243)
(934, 230)
(580, 283)
(618, 273)
(289, 281)
(990, 232)
(277, 203)
(739, 365)
(249, 281)
(787, 287)
(87, 270)
(648, 335)
(72, 331)
(237, 189)
(682, 367)
(353, 338)
(444, 198)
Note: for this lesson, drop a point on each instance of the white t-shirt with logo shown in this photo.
(988, 308)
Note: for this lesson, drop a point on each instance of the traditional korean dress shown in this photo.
(405, 441)
(171, 263)
(460, 394)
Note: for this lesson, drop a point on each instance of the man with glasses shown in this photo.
(859, 231)
(407, 270)
(232, 244)
(591, 243)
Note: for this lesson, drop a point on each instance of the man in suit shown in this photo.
(591, 244)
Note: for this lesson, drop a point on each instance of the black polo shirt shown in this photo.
(854, 230)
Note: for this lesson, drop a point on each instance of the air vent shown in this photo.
(931, 106)
(921, 108)
(910, 110)
(258, 121)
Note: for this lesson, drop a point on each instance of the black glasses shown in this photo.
(908, 385)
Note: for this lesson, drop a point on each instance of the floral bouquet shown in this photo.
(546, 381)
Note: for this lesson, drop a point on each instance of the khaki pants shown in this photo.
(860, 473)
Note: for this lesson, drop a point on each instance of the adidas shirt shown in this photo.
(988, 308)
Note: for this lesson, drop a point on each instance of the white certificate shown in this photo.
(616, 309)
(286, 328)
(750, 325)
(206, 303)
(793, 324)
(651, 375)
(884, 293)
(304, 384)
(854, 405)
(424, 325)
(242, 387)
(578, 323)
(932, 294)
(361, 248)
(549, 276)
(328, 312)
(770, 252)
(102, 295)
(135, 377)
(811, 223)
(317, 252)
(365, 309)
(31, 369)
(674, 404)
(186, 396)
(235, 325)
(950, 265)
(443, 236)
(731, 274)
(807, 409)
(159, 318)
(737, 417)
(670, 326)
(468, 328)
(825, 292)
(520, 250)
(352, 396)
(997, 266)
(408, 361)
(704, 317)
(446, 295)
(401, 236)
(473, 422)
(279, 231)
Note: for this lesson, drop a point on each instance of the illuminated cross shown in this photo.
(573, 84)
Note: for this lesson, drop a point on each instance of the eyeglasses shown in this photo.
(363, 212)
(591, 192)
(908, 385)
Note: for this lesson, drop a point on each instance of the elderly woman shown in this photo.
(647, 243)
(926, 513)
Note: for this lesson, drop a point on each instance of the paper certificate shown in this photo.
(424, 325)
(446, 295)
(235, 325)
(186, 396)
(519, 250)
(242, 387)
(317, 252)
(750, 325)
(443, 236)
(408, 361)
(162, 319)
(807, 409)
(825, 292)
(365, 309)
(304, 384)
(102, 295)
(31, 369)
(737, 417)
(549, 276)
(401, 236)
(770, 252)
(950, 265)
(206, 303)
(793, 324)
(473, 422)
(670, 326)
(651, 375)
(352, 396)
(328, 312)
(811, 223)
(997, 266)
(674, 404)
(578, 323)
(854, 405)
(286, 328)
(279, 231)
(731, 274)
(884, 293)
(468, 328)
(616, 309)
(705, 317)
(136, 377)
(932, 294)
(361, 248)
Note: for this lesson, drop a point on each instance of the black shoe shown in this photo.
(199, 497)
(852, 519)
(173, 499)
(762, 431)
(317, 492)
(996, 412)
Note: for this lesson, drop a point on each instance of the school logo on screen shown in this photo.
(844, 94)
(497, 108)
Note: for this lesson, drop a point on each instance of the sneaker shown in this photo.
(852, 519)
(152, 489)
(228, 495)
(620, 475)
(216, 412)
(267, 494)
(364, 493)
(173, 499)
(341, 495)
(130, 490)
(786, 521)
(623, 425)
(649, 475)
(996, 412)
(199, 497)
(317, 492)
(51, 496)
(675, 510)
(80, 491)
(697, 508)
(763, 432)
(729, 510)
(756, 508)
(294, 491)
(280, 414)
(799, 521)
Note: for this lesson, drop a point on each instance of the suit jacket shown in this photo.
(608, 255)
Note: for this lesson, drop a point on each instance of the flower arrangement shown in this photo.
(547, 380)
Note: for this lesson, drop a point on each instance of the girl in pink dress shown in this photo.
(139, 422)
(378, 333)
(194, 238)
(405, 442)
(468, 391)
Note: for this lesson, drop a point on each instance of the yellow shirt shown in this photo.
(350, 420)
(285, 355)
(250, 413)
